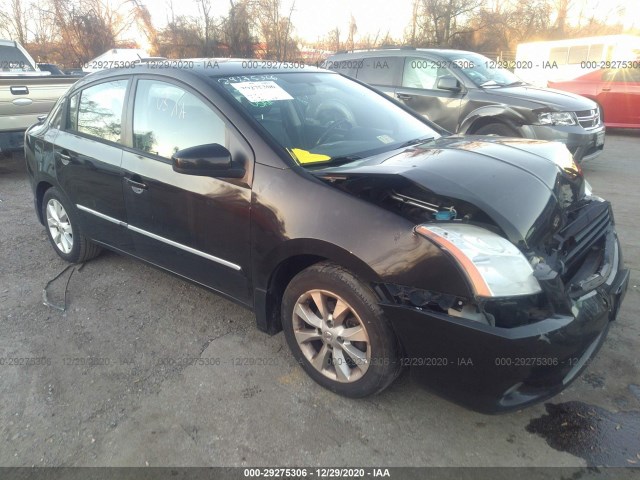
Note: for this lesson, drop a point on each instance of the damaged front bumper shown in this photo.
(491, 369)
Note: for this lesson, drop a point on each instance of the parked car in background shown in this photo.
(25, 93)
(374, 238)
(617, 92)
(465, 92)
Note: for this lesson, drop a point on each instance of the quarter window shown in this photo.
(100, 110)
(167, 118)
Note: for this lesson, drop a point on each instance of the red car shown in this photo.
(616, 91)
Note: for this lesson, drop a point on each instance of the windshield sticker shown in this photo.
(304, 156)
(385, 139)
(262, 91)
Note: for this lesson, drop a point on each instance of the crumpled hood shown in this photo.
(517, 182)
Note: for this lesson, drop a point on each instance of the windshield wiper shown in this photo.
(491, 83)
(416, 141)
(513, 84)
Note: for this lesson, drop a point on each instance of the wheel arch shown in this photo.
(491, 114)
(286, 262)
(41, 189)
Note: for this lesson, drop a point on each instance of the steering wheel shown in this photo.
(332, 114)
(331, 127)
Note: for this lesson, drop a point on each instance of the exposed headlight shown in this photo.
(492, 264)
(557, 118)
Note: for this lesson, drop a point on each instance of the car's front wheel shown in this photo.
(63, 230)
(338, 333)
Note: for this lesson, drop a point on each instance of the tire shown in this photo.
(63, 229)
(362, 366)
(497, 129)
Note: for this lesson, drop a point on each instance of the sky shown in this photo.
(314, 19)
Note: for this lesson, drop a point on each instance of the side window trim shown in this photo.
(68, 126)
(187, 88)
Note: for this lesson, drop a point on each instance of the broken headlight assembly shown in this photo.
(492, 264)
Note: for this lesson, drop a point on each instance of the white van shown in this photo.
(560, 60)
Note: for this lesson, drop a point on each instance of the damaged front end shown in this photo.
(545, 279)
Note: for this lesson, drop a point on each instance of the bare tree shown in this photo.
(237, 30)
(274, 27)
(438, 22)
(13, 20)
(353, 28)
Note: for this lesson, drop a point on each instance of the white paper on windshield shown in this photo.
(267, 91)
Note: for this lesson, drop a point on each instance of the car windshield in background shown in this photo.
(483, 71)
(323, 118)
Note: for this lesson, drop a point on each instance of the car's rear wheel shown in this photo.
(63, 230)
(338, 333)
(497, 129)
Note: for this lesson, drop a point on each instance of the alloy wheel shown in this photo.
(331, 336)
(59, 226)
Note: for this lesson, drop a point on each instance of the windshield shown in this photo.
(12, 60)
(324, 118)
(483, 71)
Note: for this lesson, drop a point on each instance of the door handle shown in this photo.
(404, 96)
(606, 89)
(65, 157)
(137, 187)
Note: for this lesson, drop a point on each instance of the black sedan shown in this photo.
(375, 241)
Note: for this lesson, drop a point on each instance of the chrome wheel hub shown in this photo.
(59, 226)
(331, 336)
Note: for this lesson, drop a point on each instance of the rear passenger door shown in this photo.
(88, 157)
(419, 90)
(194, 226)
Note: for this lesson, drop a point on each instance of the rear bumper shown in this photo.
(493, 370)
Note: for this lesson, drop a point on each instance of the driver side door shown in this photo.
(419, 91)
(194, 226)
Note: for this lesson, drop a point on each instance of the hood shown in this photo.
(522, 185)
(542, 97)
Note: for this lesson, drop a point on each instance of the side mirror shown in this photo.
(210, 160)
(448, 82)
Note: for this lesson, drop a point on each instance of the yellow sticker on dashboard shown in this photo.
(304, 156)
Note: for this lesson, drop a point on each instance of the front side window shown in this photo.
(421, 73)
(100, 110)
(482, 71)
(167, 118)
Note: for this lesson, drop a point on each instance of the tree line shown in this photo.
(71, 32)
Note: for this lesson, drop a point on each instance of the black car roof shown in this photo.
(399, 52)
(204, 68)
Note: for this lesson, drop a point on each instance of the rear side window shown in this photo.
(167, 118)
(384, 71)
(578, 54)
(100, 110)
(559, 55)
(595, 53)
